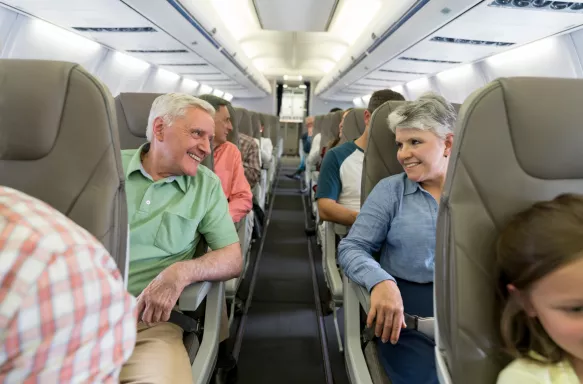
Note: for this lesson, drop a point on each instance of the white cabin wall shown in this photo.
(123, 73)
(265, 105)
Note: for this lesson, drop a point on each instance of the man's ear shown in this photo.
(158, 128)
(522, 299)
(448, 144)
(367, 116)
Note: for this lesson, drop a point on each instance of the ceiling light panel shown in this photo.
(353, 17)
(297, 15)
(237, 16)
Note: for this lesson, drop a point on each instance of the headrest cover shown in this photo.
(32, 100)
(233, 136)
(133, 110)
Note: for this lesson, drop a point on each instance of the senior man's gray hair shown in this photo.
(172, 105)
(430, 112)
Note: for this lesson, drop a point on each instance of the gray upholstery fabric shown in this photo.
(353, 126)
(245, 124)
(380, 157)
(274, 129)
(518, 141)
(59, 143)
(255, 124)
(133, 110)
(317, 124)
(266, 125)
(233, 136)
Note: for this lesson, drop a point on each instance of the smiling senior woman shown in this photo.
(399, 219)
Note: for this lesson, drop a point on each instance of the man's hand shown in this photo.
(386, 305)
(157, 300)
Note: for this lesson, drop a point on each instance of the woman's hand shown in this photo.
(386, 305)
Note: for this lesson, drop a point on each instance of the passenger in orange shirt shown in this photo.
(228, 164)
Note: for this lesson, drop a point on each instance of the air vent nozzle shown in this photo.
(429, 61)
(121, 29)
(403, 72)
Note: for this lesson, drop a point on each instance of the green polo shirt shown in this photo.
(167, 218)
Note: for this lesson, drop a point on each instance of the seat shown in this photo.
(535, 126)
(353, 126)
(256, 134)
(133, 110)
(380, 161)
(246, 127)
(59, 143)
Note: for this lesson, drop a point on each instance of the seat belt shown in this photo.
(425, 325)
(187, 323)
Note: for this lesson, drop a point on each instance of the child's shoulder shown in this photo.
(530, 371)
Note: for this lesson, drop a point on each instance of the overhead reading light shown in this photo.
(430, 61)
(541, 5)
(107, 29)
(403, 72)
(157, 50)
(303, 86)
(470, 42)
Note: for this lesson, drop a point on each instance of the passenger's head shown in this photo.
(223, 123)
(424, 136)
(377, 99)
(540, 265)
(180, 128)
(309, 124)
(335, 109)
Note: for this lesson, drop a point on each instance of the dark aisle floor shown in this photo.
(281, 342)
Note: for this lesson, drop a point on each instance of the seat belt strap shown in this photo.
(425, 325)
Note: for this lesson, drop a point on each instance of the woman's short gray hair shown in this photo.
(430, 112)
(172, 105)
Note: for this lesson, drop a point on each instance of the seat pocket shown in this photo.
(176, 233)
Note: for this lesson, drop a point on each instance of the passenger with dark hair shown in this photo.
(335, 109)
(338, 192)
(540, 269)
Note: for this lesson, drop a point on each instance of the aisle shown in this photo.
(281, 342)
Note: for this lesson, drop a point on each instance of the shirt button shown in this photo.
(148, 202)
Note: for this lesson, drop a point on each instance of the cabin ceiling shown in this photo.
(348, 48)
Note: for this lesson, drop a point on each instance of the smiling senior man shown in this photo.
(172, 201)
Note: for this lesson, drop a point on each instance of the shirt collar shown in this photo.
(135, 165)
(410, 186)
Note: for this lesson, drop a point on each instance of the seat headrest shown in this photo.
(233, 136)
(273, 129)
(266, 121)
(255, 125)
(133, 111)
(245, 125)
(353, 126)
(59, 143)
(518, 141)
(380, 157)
(31, 112)
(318, 124)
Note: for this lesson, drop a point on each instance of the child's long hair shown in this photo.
(535, 243)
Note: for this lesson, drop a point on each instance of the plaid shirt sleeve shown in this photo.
(250, 154)
(65, 315)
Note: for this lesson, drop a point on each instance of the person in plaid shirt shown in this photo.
(65, 315)
(250, 153)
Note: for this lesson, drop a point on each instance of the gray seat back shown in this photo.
(317, 125)
(380, 157)
(518, 141)
(245, 124)
(233, 136)
(274, 129)
(326, 126)
(255, 125)
(133, 110)
(59, 143)
(353, 126)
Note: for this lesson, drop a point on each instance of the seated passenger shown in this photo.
(314, 157)
(250, 154)
(228, 164)
(306, 146)
(56, 283)
(172, 202)
(540, 266)
(398, 219)
(338, 192)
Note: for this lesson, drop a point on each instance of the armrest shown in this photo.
(193, 295)
(206, 357)
(363, 296)
(341, 230)
(332, 274)
(356, 366)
